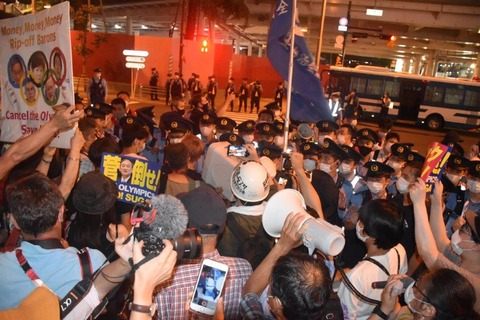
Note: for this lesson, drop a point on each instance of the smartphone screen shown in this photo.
(237, 151)
(208, 289)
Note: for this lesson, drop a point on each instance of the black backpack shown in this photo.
(333, 308)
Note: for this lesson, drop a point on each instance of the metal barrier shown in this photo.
(147, 91)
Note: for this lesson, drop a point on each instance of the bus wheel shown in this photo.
(434, 122)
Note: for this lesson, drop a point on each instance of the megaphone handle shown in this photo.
(303, 222)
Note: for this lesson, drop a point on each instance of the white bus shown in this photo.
(433, 102)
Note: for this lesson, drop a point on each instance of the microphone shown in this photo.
(382, 284)
(167, 219)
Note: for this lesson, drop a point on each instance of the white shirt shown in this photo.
(362, 276)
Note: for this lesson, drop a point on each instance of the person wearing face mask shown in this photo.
(397, 160)
(330, 158)
(246, 130)
(472, 196)
(207, 130)
(382, 154)
(347, 197)
(408, 176)
(134, 137)
(155, 143)
(385, 125)
(366, 140)
(345, 135)
(279, 139)
(380, 228)
(265, 134)
(266, 115)
(310, 153)
(274, 153)
(326, 129)
(373, 187)
(454, 188)
(440, 294)
(96, 118)
(462, 253)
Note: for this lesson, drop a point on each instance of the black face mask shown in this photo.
(181, 112)
(364, 151)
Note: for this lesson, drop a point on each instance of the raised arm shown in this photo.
(290, 238)
(221, 111)
(423, 233)
(306, 188)
(436, 218)
(26, 147)
(73, 163)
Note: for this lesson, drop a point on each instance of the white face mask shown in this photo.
(473, 186)
(175, 140)
(455, 178)
(388, 147)
(402, 185)
(279, 141)
(395, 165)
(341, 139)
(309, 164)
(375, 187)
(325, 167)
(206, 131)
(345, 168)
(409, 296)
(359, 230)
(455, 243)
(248, 138)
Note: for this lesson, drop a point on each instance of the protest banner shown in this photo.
(434, 165)
(36, 71)
(137, 179)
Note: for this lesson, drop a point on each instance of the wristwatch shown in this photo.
(379, 312)
(150, 310)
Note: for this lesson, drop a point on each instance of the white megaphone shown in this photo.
(305, 131)
(319, 234)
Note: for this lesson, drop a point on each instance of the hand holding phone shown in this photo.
(209, 287)
(237, 151)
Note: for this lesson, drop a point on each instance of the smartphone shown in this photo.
(209, 287)
(237, 151)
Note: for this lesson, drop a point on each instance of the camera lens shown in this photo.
(188, 245)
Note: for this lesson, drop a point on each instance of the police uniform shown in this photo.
(401, 151)
(364, 134)
(232, 138)
(225, 124)
(455, 194)
(243, 95)
(229, 90)
(212, 89)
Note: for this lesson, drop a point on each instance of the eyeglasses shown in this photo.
(425, 299)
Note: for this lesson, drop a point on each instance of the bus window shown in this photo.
(375, 87)
(393, 88)
(472, 98)
(359, 84)
(434, 93)
(454, 95)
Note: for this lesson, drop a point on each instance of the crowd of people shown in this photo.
(407, 254)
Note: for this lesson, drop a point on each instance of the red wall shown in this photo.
(109, 56)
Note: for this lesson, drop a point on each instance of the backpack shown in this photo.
(333, 308)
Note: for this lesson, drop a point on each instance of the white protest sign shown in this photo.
(36, 71)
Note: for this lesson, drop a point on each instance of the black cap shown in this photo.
(352, 153)
(265, 129)
(272, 152)
(415, 157)
(232, 138)
(452, 136)
(401, 150)
(96, 70)
(279, 127)
(474, 169)
(327, 126)
(309, 148)
(378, 169)
(329, 146)
(178, 125)
(368, 134)
(208, 118)
(456, 148)
(246, 126)
(225, 124)
(106, 108)
(94, 113)
(458, 162)
(130, 120)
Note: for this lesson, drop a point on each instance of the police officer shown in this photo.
(243, 95)
(229, 90)
(97, 87)
(212, 89)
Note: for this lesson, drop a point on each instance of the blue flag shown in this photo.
(308, 103)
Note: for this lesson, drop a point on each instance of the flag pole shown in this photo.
(290, 74)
